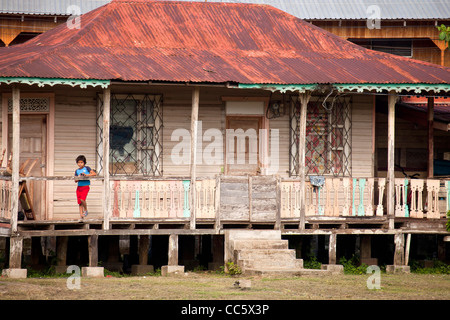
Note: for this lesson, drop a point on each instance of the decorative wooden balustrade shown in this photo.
(336, 197)
(5, 198)
(416, 198)
(162, 199)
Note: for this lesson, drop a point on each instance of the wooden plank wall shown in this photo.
(362, 136)
(75, 134)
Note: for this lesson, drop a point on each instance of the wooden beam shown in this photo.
(193, 162)
(105, 160)
(15, 158)
(304, 99)
(392, 99)
(430, 117)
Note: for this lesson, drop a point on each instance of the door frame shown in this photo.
(49, 142)
(263, 123)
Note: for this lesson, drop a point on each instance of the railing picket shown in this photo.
(433, 199)
(381, 189)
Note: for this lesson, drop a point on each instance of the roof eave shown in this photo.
(416, 88)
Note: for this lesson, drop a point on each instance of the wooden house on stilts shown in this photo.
(219, 132)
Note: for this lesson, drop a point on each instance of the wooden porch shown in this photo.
(346, 205)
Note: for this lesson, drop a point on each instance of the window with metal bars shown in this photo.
(328, 136)
(135, 134)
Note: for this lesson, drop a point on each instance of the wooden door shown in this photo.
(33, 145)
(242, 145)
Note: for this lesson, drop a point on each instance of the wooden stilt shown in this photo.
(193, 163)
(93, 250)
(392, 99)
(304, 99)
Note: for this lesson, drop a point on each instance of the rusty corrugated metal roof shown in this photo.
(141, 40)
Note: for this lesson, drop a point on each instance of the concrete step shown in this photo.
(270, 263)
(295, 272)
(253, 234)
(274, 254)
(260, 244)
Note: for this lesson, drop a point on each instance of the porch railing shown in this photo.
(337, 197)
(416, 198)
(162, 199)
(5, 199)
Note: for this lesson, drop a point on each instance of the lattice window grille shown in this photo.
(31, 105)
(135, 135)
(328, 136)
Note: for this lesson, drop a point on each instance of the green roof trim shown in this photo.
(41, 82)
(358, 87)
(279, 87)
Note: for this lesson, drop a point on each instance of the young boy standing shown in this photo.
(83, 185)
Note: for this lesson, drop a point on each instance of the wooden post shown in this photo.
(430, 116)
(15, 253)
(105, 159)
(407, 248)
(173, 250)
(399, 254)
(61, 250)
(217, 204)
(304, 99)
(193, 163)
(93, 250)
(15, 158)
(144, 244)
(332, 248)
(278, 200)
(392, 99)
(5, 130)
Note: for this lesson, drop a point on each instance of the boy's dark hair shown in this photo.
(81, 158)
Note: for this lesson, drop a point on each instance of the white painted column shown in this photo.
(193, 162)
(392, 99)
(15, 158)
(304, 99)
(105, 160)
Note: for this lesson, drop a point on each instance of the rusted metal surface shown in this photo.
(205, 42)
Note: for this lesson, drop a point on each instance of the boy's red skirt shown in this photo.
(82, 193)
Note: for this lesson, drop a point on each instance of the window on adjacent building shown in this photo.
(400, 47)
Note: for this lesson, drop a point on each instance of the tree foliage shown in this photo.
(444, 33)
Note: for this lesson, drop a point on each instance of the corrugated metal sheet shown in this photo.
(141, 40)
(303, 9)
(49, 7)
(358, 9)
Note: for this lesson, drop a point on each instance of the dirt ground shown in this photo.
(210, 286)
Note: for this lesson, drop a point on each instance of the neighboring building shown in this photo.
(23, 20)
(287, 140)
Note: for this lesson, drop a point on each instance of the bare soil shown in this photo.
(211, 286)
